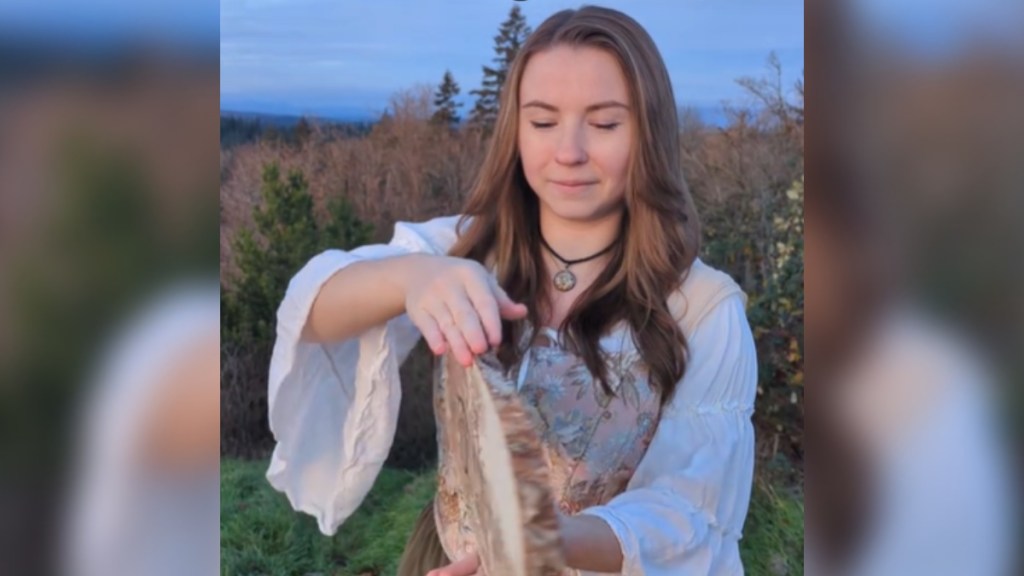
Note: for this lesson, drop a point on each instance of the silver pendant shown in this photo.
(564, 280)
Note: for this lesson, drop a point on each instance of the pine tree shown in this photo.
(511, 36)
(302, 132)
(444, 101)
(286, 236)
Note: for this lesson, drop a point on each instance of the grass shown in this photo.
(773, 536)
(262, 535)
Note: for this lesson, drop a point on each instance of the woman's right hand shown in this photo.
(468, 565)
(458, 306)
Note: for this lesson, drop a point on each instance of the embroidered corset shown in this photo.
(592, 442)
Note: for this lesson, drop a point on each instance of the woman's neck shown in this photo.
(574, 239)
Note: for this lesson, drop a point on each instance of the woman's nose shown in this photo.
(571, 148)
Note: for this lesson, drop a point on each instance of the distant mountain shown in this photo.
(249, 107)
(711, 115)
(237, 128)
(284, 120)
(277, 120)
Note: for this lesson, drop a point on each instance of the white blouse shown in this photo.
(334, 410)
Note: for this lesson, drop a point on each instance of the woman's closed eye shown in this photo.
(544, 125)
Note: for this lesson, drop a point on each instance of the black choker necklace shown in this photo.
(565, 280)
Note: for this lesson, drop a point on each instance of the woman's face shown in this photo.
(575, 132)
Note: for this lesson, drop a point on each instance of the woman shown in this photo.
(575, 261)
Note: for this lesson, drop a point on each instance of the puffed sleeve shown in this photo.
(333, 408)
(683, 511)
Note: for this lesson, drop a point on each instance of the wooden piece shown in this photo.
(493, 453)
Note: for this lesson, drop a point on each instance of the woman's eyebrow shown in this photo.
(591, 108)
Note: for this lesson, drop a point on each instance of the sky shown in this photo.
(341, 58)
(87, 23)
(344, 58)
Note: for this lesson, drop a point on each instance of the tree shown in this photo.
(769, 92)
(302, 132)
(511, 36)
(272, 134)
(286, 236)
(444, 101)
(747, 179)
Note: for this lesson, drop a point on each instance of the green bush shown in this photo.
(760, 243)
(286, 236)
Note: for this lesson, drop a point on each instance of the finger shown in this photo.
(456, 343)
(464, 567)
(508, 309)
(486, 306)
(468, 322)
(469, 564)
(432, 334)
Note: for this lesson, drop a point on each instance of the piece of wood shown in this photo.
(493, 452)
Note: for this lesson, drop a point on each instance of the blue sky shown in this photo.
(346, 58)
(75, 24)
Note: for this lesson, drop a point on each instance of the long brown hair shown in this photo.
(660, 231)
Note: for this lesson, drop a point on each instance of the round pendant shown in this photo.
(565, 280)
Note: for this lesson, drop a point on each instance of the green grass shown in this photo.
(262, 535)
(773, 536)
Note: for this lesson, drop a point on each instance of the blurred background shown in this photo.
(108, 294)
(915, 324)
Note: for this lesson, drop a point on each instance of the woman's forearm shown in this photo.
(588, 543)
(360, 296)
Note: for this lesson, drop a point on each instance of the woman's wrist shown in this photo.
(411, 269)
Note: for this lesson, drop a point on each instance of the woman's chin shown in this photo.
(580, 211)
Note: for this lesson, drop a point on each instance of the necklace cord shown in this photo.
(578, 260)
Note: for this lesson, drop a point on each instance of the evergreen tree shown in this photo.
(511, 36)
(444, 101)
(286, 236)
(272, 134)
(302, 132)
(343, 229)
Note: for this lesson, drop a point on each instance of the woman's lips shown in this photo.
(573, 184)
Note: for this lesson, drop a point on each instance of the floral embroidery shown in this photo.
(592, 442)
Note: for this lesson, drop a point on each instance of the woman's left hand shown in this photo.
(467, 566)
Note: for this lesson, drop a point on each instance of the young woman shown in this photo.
(575, 261)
